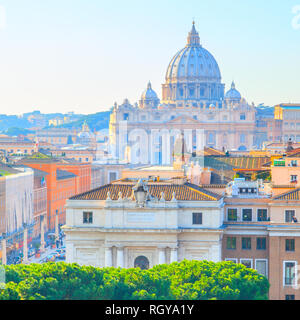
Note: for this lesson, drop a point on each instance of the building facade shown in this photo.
(131, 223)
(193, 98)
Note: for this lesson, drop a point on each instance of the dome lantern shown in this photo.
(193, 37)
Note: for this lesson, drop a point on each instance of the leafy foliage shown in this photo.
(187, 280)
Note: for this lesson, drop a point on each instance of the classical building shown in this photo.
(131, 223)
(193, 98)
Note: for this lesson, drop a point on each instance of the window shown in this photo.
(289, 244)
(294, 178)
(294, 162)
(261, 243)
(231, 243)
(197, 217)
(242, 116)
(231, 259)
(246, 262)
(290, 297)
(242, 138)
(262, 214)
(232, 214)
(87, 217)
(112, 176)
(247, 214)
(261, 266)
(246, 243)
(289, 269)
(125, 116)
(289, 214)
(211, 138)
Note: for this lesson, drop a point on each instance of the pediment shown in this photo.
(183, 119)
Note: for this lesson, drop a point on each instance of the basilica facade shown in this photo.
(193, 102)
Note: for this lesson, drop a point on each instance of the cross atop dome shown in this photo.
(193, 39)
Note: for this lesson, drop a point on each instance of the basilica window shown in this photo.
(242, 138)
(211, 138)
(242, 116)
(125, 116)
(192, 91)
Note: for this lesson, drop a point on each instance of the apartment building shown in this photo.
(262, 232)
(64, 179)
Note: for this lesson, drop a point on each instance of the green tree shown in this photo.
(187, 280)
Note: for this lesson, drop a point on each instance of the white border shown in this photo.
(235, 260)
(283, 273)
(266, 260)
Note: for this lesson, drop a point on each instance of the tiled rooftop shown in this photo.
(185, 192)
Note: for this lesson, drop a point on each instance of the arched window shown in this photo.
(141, 262)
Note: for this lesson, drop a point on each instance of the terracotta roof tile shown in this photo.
(185, 192)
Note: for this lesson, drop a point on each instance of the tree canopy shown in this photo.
(187, 280)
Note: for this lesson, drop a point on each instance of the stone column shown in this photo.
(42, 248)
(173, 255)
(120, 257)
(108, 256)
(161, 255)
(3, 244)
(25, 248)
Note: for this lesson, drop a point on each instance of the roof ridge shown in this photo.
(207, 193)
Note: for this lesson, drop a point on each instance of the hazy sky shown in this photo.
(83, 55)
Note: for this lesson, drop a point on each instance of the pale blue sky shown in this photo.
(83, 55)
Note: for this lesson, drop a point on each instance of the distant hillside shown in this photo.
(95, 121)
(9, 121)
